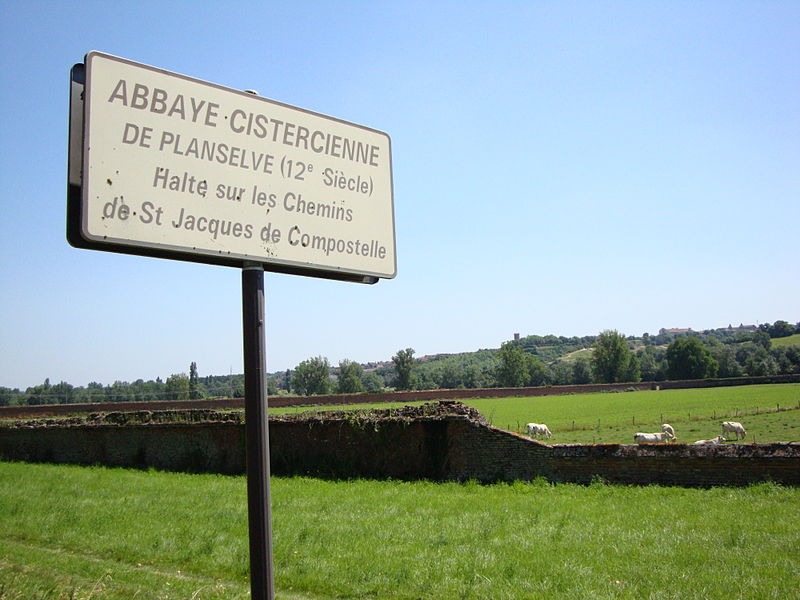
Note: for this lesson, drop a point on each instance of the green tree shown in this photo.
(423, 380)
(177, 387)
(312, 377)
(349, 377)
(759, 362)
(473, 377)
(513, 368)
(726, 359)
(561, 373)
(373, 383)
(762, 338)
(9, 397)
(582, 371)
(39, 394)
(62, 393)
(781, 329)
(788, 359)
(449, 376)
(538, 373)
(611, 358)
(404, 364)
(648, 363)
(633, 372)
(688, 358)
(194, 390)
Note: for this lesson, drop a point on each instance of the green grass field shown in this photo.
(694, 413)
(792, 340)
(72, 533)
(770, 413)
(77, 533)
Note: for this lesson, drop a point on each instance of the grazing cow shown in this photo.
(650, 438)
(667, 428)
(712, 442)
(733, 427)
(537, 429)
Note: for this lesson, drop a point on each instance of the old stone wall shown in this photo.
(441, 441)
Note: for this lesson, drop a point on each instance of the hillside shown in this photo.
(785, 342)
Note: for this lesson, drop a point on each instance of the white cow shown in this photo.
(537, 429)
(733, 427)
(712, 442)
(650, 438)
(667, 428)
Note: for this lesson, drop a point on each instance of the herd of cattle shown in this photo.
(667, 434)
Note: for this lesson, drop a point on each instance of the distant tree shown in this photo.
(781, 329)
(472, 377)
(783, 359)
(726, 359)
(633, 371)
(538, 373)
(404, 363)
(373, 383)
(759, 362)
(688, 358)
(788, 359)
(39, 394)
(349, 377)
(194, 389)
(650, 363)
(95, 392)
(450, 376)
(422, 380)
(9, 397)
(177, 387)
(611, 358)
(561, 373)
(312, 377)
(582, 371)
(62, 393)
(762, 339)
(513, 370)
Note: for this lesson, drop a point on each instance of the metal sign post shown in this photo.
(262, 584)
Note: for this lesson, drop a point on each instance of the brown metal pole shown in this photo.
(262, 580)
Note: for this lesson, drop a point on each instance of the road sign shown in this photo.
(167, 165)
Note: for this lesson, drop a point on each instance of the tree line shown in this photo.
(609, 357)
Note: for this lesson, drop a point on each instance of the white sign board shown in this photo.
(177, 166)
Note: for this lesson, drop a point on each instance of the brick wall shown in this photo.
(52, 410)
(453, 445)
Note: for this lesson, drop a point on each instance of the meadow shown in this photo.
(784, 342)
(81, 533)
(770, 413)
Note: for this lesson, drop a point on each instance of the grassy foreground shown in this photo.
(106, 534)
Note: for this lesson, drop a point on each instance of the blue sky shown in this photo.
(559, 167)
